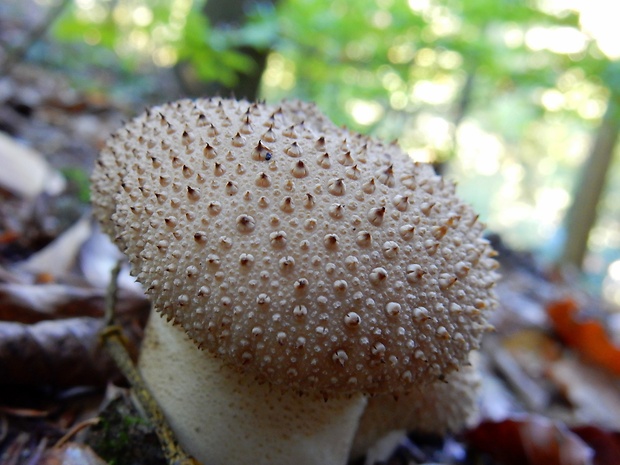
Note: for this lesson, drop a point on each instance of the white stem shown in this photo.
(223, 417)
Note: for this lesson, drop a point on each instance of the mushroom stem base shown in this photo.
(221, 416)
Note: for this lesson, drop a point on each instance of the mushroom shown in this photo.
(446, 406)
(313, 266)
(225, 417)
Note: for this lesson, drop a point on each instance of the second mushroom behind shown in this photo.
(298, 255)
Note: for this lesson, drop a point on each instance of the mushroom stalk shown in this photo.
(221, 416)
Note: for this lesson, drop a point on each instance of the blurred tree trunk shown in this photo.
(464, 101)
(460, 110)
(582, 215)
(228, 14)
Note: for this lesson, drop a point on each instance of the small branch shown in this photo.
(74, 430)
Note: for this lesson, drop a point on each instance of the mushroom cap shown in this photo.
(297, 251)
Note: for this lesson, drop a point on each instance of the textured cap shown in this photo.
(298, 251)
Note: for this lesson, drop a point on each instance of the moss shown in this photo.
(123, 437)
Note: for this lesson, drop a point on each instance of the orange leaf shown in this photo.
(588, 337)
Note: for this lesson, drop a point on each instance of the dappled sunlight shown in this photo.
(509, 96)
(427, 138)
(364, 112)
(91, 10)
(165, 56)
(597, 18)
(359, 50)
(139, 40)
(279, 72)
(550, 203)
(605, 236)
(381, 19)
(480, 153)
(585, 98)
(525, 205)
(424, 155)
(426, 57)
(614, 271)
(436, 92)
(420, 6)
(435, 131)
(513, 35)
(142, 16)
(144, 36)
(611, 283)
(443, 23)
(391, 81)
(557, 39)
(553, 100)
(509, 219)
(398, 100)
(401, 53)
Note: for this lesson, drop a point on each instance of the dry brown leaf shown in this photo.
(15, 449)
(606, 444)
(530, 440)
(594, 394)
(59, 257)
(82, 252)
(528, 388)
(59, 353)
(30, 303)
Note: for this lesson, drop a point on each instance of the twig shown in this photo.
(114, 342)
(74, 430)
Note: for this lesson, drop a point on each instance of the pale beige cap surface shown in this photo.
(297, 251)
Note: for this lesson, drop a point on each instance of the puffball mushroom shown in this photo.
(302, 258)
(445, 406)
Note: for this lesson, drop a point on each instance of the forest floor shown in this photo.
(551, 369)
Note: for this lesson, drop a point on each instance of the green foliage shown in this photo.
(353, 47)
(159, 32)
(79, 182)
(337, 51)
(509, 90)
(122, 437)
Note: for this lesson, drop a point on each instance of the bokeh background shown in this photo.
(516, 100)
